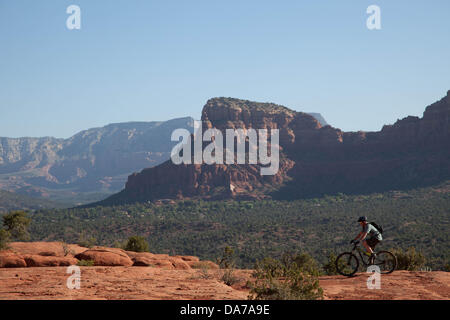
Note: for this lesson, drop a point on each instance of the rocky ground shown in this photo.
(195, 284)
(116, 283)
(400, 285)
(150, 276)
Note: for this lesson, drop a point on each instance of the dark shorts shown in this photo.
(372, 242)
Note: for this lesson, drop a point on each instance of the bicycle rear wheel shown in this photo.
(347, 264)
(386, 261)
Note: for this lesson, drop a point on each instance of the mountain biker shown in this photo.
(368, 229)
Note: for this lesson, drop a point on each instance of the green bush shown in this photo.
(286, 280)
(204, 273)
(16, 223)
(137, 244)
(15, 226)
(226, 261)
(4, 239)
(304, 262)
(229, 278)
(330, 266)
(297, 285)
(411, 259)
(279, 268)
(269, 267)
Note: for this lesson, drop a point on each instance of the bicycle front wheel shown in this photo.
(347, 264)
(386, 261)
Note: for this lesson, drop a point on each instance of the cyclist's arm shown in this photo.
(358, 236)
(363, 235)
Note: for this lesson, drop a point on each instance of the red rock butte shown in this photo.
(314, 159)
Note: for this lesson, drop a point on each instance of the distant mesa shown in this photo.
(315, 160)
(87, 166)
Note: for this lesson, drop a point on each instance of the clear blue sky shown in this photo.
(156, 60)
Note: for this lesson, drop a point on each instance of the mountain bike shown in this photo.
(347, 263)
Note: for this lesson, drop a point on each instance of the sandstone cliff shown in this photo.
(314, 159)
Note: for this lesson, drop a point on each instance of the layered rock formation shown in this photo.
(57, 254)
(94, 160)
(314, 159)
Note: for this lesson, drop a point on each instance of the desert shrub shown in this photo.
(16, 224)
(226, 261)
(229, 277)
(411, 259)
(137, 244)
(285, 279)
(269, 267)
(298, 286)
(204, 273)
(303, 261)
(330, 266)
(295, 285)
(4, 239)
(85, 263)
(279, 268)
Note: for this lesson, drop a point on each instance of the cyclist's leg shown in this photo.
(374, 243)
(367, 244)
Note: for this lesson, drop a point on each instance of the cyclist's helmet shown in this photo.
(363, 218)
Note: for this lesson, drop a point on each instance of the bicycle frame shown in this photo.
(360, 251)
